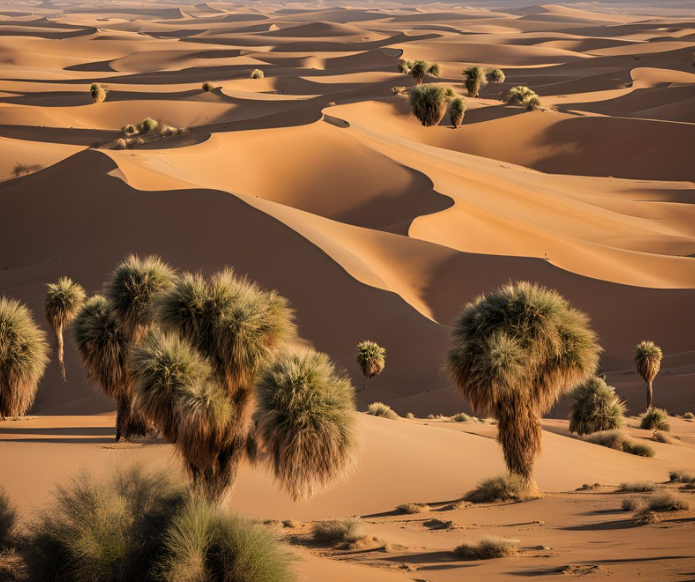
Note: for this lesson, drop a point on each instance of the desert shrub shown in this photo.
(398, 90)
(205, 544)
(291, 524)
(98, 93)
(689, 416)
(648, 357)
(639, 449)
(410, 416)
(418, 70)
(430, 103)
(21, 169)
(666, 501)
(347, 530)
(381, 409)
(257, 74)
(371, 358)
(8, 520)
(495, 75)
(457, 110)
(502, 488)
(474, 79)
(488, 548)
(148, 125)
(655, 419)
(12, 566)
(660, 437)
(118, 144)
(613, 439)
(463, 417)
(520, 96)
(208, 86)
(632, 503)
(404, 66)
(534, 103)
(129, 129)
(681, 476)
(64, 299)
(595, 408)
(169, 131)
(412, 508)
(638, 487)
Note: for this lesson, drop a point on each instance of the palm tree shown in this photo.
(429, 103)
(196, 380)
(371, 358)
(23, 358)
(495, 75)
(419, 69)
(98, 93)
(457, 110)
(63, 300)
(474, 80)
(513, 353)
(648, 358)
(596, 408)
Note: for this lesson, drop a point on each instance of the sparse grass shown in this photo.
(503, 488)
(660, 437)
(169, 131)
(632, 503)
(21, 169)
(681, 476)
(382, 410)
(615, 439)
(208, 86)
(639, 449)
(488, 548)
(463, 417)
(12, 566)
(257, 74)
(664, 501)
(589, 487)
(655, 419)
(347, 530)
(638, 487)
(412, 508)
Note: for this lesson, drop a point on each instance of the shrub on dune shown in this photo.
(513, 353)
(21, 169)
(488, 548)
(534, 104)
(348, 530)
(208, 86)
(495, 75)
(419, 69)
(474, 79)
(412, 508)
(129, 129)
(648, 358)
(655, 419)
(664, 501)
(404, 66)
(457, 109)
(632, 503)
(595, 408)
(98, 93)
(638, 487)
(689, 416)
(503, 488)
(398, 90)
(617, 440)
(463, 417)
(681, 476)
(521, 96)
(371, 358)
(147, 125)
(382, 410)
(257, 74)
(639, 449)
(64, 299)
(23, 358)
(429, 103)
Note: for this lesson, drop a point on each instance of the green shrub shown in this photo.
(98, 93)
(148, 125)
(639, 449)
(413, 508)
(410, 416)
(381, 409)
(495, 75)
(638, 487)
(208, 86)
(348, 530)
(488, 548)
(655, 419)
(463, 417)
(503, 488)
(595, 408)
(534, 103)
(520, 96)
(430, 103)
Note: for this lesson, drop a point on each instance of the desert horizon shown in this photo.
(370, 292)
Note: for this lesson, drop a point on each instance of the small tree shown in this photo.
(429, 103)
(596, 407)
(23, 358)
(371, 358)
(98, 93)
(457, 110)
(495, 75)
(474, 79)
(419, 69)
(63, 300)
(513, 353)
(648, 358)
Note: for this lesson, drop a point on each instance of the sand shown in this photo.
(318, 182)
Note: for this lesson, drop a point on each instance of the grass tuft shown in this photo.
(503, 488)
(655, 419)
(638, 487)
(347, 530)
(382, 410)
(664, 501)
(632, 503)
(488, 548)
(681, 476)
(412, 508)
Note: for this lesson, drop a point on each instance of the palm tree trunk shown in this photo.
(60, 346)
(215, 482)
(519, 434)
(650, 394)
(123, 410)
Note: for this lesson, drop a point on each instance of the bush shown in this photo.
(660, 437)
(147, 125)
(381, 409)
(520, 96)
(413, 508)
(534, 103)
(119, 144)
(398, 90)
(632, 503)
(689, 416)
(495, 75)
(655, 419)
(463, 417)
(613, 439)
(208, 86)
(257, 74)
(666, 501)
(21, 169)
(348, 530)
(681, 476)
(595, 408)
(129, 129)
(98, 93)
(8, 520)
(503, 488)
(638, 486)
(430, 103)
(205, 544)
(639, 449)
(410, 416)
(488, 548)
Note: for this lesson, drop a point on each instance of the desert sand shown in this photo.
(318, 182)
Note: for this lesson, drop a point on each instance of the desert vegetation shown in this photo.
(488, 548)
(398, 90)
(207, 86)
(430, 102)
(21, 169)
(655, 419)
(23, 358)
(595, 408)
(474, 79)
(681, 476)
(98, 93)
(648, 358)
(513, 353)
(617, 440)
(457, 109)
(382, 410)
(418, 69)
(64, 299)
(412, 508)
(521, 96)
(346, 530)
(371, 358)
(495, 75)
(638, 486)
(257, 74)
(509, 487)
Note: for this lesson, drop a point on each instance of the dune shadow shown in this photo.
(605, 525)
(61, 435)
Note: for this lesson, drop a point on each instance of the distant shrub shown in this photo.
(381, 409)
(495, 75)
(666, 501)
(347, 530)
(208, 86)
(533, 104)
(613, 439)
(488, 548)
(291, 524)
(119, 144)
(147, 125)
(655, 419)
(98, 93)
(520, 96)
(21, 169)
(638, 486)
(463, 417)
(412, 508)
(129, 129)
(632, 503)
(257, 74)
(503, 488)
(689, 416)
(410, 416)
(681, 476)
(660, 437)
(398, 90)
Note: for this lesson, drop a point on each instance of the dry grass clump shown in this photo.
(398, 90)
(495, 75)
(617, 440)
(410, 416)
(638, 487)
(463, 417)
(488, 548)
(382, 410)
(413, 508)
(632, 503)
(655, 419)
(664, 501)
(257, 74)
(129, 129)
(503, 488)
(660, 437)
(639, 449)
(21, 169)
(291, 524)
(98, 93)
(347, 530)
(689, 416)
(208, 86)
(523, 96)
(681, 476)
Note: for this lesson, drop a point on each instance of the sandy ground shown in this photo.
(317, 181)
